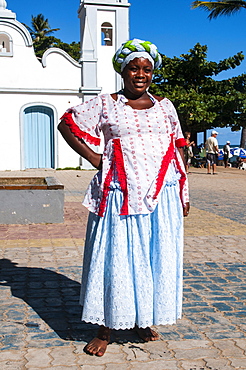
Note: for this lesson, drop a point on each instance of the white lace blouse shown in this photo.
(140, 151)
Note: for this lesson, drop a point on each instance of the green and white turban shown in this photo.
(136, 49)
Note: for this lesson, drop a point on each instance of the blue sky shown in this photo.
(172, 25)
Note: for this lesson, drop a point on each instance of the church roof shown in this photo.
(8, 18)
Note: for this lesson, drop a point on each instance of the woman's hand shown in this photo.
(186, 209)
(96, 161)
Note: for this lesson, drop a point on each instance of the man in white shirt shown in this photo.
(212, 149)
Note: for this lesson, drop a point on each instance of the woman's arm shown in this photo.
(80, 146)
(186, 207)
(190, 143)
(181, 152)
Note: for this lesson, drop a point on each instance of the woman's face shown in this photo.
(137, 76)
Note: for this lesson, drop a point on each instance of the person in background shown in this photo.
(226, 150)
(212, 149)
(188, 150)
(132, 270)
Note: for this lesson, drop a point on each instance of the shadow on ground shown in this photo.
(55, 298)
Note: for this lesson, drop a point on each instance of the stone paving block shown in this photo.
(34, 356)
(222, 306)
(11, 365)
(215, 318)
(65, 367)
(15, 315)
(193, 364)
(158, 350)
(189, 332)
(218, 364)
(14, 342)
(238, 363)
(155, 365)
(168, 334)
(64, 355)
(46, 340)
(135, 352)
(228, 348)
(225, 335)
(11, 328)
(241, 343)
(115, 358)
(218, 328)
(114, 348)
(11, 355)
(196, 353)
(102, 367)
(188, 344)
(117, 367)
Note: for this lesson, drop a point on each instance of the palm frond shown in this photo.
(219, 7)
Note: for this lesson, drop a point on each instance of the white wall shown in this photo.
(26, 81)
(11, 141)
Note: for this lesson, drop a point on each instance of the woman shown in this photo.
(132, 271)
(188, 152)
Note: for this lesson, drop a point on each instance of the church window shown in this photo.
(6, 44)
(106, 34)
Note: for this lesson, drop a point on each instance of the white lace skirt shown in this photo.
(133, 265)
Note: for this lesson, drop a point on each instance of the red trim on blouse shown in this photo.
(67, 117)
(164, 166)
(179, 143)
(106, 188)
(119, 162)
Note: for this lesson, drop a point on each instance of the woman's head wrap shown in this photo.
(136, 49)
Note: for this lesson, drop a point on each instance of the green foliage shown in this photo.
(219, 7)
(42, 39)
(72, 49)
(202, 102)
(45, 43)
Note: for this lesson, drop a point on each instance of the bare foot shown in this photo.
(147, 334)
(98, 345)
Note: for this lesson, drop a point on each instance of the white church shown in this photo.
(35, 93)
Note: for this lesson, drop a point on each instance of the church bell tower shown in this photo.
(104, 26)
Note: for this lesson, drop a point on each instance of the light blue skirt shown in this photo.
(133, 265)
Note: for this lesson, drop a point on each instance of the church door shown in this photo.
(38, 137)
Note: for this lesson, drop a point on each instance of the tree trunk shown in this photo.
(204, 137)
(193, 137)
(243, 138)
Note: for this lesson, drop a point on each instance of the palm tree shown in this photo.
(40, 28)
(220, 7)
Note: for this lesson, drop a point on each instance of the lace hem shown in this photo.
(123, 323)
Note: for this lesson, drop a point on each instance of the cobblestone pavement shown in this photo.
(40, 282)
